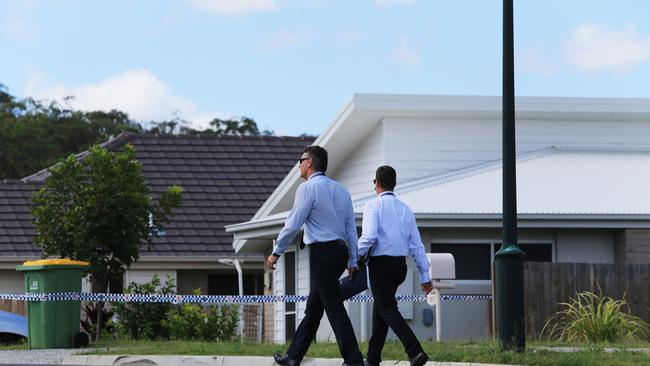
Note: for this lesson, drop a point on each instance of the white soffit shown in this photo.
(548, 182)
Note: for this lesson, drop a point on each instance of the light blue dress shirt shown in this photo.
(389, 228)
(324, 206)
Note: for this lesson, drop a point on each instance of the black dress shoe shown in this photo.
(366, 363)
(353, 364)
(285, 360)
(420, 359)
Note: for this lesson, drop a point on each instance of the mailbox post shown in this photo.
(441, 267)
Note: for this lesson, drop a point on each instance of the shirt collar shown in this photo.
(315, 175)
(387, 193)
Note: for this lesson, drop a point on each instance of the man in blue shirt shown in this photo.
(324, 207)
(389, 233)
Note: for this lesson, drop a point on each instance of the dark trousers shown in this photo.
(386, 274)
(327, 263)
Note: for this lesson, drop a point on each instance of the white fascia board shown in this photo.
(194, 259)
(246, 264)
(252, 225)
(536, 221)
(490, 106)
(292, 180)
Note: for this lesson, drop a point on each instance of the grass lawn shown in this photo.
(484, 352)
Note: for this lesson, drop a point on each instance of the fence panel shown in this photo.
(548, 284)
(13, 306)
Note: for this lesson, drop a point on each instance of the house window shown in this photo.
(474, 261)
(289, 289)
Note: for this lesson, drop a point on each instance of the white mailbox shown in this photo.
(441, 267)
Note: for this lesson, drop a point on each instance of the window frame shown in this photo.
(492, 243)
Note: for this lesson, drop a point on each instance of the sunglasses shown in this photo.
(374, 181)
(302, 159)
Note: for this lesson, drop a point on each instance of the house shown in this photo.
(583, 169)
(225, 180)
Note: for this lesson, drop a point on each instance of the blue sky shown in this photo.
(292, 65)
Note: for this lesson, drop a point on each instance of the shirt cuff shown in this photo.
(424, 277)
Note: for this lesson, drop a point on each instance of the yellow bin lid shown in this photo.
(55, 262)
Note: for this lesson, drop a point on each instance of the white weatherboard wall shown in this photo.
(358, 170)
(12, 282)
(146, 275)
(278, 289)
(423, 147)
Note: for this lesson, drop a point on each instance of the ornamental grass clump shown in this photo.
(595, 318)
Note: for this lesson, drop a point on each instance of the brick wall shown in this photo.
(632, 246)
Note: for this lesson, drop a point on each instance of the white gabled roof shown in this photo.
(476, 190)
(364, 111)
(552, 181)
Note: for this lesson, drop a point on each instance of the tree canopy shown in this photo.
(34, 135)
(100, 209)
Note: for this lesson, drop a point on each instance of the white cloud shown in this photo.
(395, 2)
(282, 39)
(404, 54)
(535, 59)
(349, 36)
(15, 21)
(592, 48)
(137, 92)
(234, 7)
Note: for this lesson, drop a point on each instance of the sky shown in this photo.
(293, 65)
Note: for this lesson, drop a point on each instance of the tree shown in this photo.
(244, 126)
(35, 135)
(98, 210)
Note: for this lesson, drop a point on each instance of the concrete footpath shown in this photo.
(222, 361)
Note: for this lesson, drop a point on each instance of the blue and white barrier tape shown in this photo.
(208, 299)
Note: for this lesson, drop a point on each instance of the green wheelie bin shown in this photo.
(53, 324)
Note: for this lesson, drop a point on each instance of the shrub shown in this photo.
(144, 320)
(595, 318)
(222, 322)
(89, 321)
(191, 322)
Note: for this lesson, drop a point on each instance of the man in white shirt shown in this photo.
(324, 207)
(390, 234)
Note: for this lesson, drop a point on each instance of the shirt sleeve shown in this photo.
(302, 205)
(369, 228)
(417, 252)
(351, 233)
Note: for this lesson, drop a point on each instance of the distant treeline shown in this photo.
(34, 134)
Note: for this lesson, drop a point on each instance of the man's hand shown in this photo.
(427, 287)
(270, 261)
(352, 271)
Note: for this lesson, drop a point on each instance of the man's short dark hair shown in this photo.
(318, 157)
(386, 177)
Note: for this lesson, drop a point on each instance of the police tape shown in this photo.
(209, 299)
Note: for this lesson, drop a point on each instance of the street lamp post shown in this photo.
(510, 258)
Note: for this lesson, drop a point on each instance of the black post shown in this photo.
(510, 258)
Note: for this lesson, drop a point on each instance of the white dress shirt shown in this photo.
(389, 228)
(324, 206)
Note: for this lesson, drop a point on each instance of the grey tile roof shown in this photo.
(16, 228)
(225, 181)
